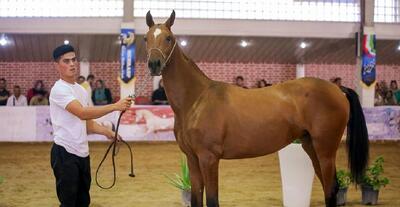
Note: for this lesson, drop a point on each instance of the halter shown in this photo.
(163, 55)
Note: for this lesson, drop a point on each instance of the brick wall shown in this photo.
(25, 73)
(348, 73)
(226, 72)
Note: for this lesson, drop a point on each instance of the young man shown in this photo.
(17, 99)
(72, 120)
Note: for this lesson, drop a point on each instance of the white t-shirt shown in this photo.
(14, 101)
(69, 131)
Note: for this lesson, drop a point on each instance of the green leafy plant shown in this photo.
(297, 141)
(181, 181)
(343, 178)
(373, 175)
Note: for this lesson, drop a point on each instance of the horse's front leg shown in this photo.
(209, 169)
(196, 180)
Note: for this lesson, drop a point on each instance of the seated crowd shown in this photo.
(38, 95)
(101, 95)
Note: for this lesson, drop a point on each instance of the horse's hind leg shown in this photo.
(306, 143)
(325, 149)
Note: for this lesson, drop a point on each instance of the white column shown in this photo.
(128, 22)
(300, 71)
(366, 93)
(84, 68)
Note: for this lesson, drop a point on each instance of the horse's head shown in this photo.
(160, 43)
(139, 115)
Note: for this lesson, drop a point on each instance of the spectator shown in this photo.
(262, 83)
(4, 94)
(38, 88)
(17, 99)
(39, 99)
(380, 93)
(90, 80)
(389, 99)
(101, 95)
(395, 90)
(81, 79)
(239, 81)
(337, 81)
(159, 97)
(86, 85)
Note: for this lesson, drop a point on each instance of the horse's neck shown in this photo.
(183, 81)
(146, 114)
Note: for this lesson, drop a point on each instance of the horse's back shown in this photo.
(320, 104)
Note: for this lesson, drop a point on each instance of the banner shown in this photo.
(383, 122)
(127, 38)
(153, 123)
(368, 67)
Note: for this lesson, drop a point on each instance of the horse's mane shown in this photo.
(194, 65)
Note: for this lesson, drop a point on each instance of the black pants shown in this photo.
(72, 177)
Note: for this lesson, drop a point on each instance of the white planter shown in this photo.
(297, 175)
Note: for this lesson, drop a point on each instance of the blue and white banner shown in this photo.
(127, 38)
(368, 71)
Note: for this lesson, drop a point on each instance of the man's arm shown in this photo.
(86, 113)
(93, 127)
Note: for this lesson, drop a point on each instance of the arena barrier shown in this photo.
(153, 123)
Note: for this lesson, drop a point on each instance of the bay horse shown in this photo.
(216, 120)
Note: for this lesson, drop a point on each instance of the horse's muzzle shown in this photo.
(155, 67)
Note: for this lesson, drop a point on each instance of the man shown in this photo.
(72, 120)
(86, 84)
(81, 79)
(239, 81)
(337, 81)
(159, 97)
(90, 79)
(4, 94)
(17, 99)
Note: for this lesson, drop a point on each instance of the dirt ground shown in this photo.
(28, 179)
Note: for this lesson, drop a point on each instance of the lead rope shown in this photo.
(114, 144)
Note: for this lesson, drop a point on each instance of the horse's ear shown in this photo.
(170, 20)
(149, 19)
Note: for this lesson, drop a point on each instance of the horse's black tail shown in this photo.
(357, 137)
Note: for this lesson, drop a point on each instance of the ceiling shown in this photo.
(105, 48)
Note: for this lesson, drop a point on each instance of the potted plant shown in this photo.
(295, 163)
(344, 179)
(182, 182)
(372, 182)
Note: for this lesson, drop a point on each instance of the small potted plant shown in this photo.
(182, 182)
(372, 182)
(344, 179)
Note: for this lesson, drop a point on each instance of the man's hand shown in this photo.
(123, 104)
(110, 135)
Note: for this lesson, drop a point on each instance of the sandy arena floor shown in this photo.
(28, 179)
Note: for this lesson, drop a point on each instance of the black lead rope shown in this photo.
(113, 145)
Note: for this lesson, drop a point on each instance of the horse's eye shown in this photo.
(145, 39)
(168, 39)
